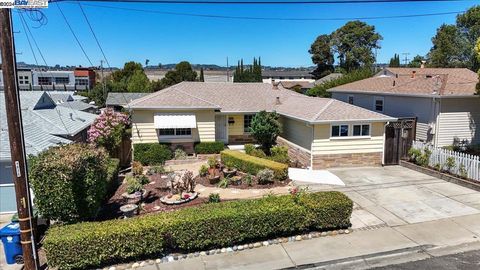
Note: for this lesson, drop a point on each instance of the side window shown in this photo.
(379, 104)
(361, 130)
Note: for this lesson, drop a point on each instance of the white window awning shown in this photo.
(169, 120)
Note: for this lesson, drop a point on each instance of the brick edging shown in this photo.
(447, 177)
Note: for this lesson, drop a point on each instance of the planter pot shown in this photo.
(213, 180)
(136, 195)
(229, 173)
(129, 210)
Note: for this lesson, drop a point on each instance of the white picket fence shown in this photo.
(465, 164)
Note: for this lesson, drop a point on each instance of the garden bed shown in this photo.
(468, 183)
(204, 181)
(156, 189)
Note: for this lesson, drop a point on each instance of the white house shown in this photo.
(443, 100)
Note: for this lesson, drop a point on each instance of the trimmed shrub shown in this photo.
(70, 181)
(151, 153)
(137, 168)
(252, 165)
(265, 176)
(93, 244)
(209, 147)
(180, 154)
(112, 176)
(249, 148)
(279, 154)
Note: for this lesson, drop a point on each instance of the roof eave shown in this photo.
(372, 120)
(400, 94)
(172, 108)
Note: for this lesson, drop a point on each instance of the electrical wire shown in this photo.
(274, 18)
(74, 35)
(285, 2)
(93, 33)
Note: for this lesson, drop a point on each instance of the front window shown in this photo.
(45, 80)
(340, 131)
(247, 122)
(175, 132)
(378, 104)
(361, 130)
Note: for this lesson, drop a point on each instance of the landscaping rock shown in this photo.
(135, 265)
(203, 253)
(257, 245)
(196, 254)
(223, 250)
(250, 246)
(347, 231)
(333, 233)
(235, 248)
(229, 249)
(324, 234)
(265, 243)
(298, 238)
(240, 248)
(340, 231)
(112, 268)
(158, 261)
(142, 264)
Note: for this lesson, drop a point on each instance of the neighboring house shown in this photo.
(118, 101)
(72, 101)
(319, 132)
(442, 99)
(269, 76)
(81, 79)
(24, 79)
(85, 78)
(298, 86)
(329, 77)
(44, 124)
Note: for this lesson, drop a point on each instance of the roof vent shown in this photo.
(413, 74)
(423, 64)
(393, 82)
(277, 101)
(396, 75)
(275, 86)
(71, 115)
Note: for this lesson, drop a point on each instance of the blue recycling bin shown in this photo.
(10, 236)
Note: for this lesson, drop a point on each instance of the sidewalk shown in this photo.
(361, 248)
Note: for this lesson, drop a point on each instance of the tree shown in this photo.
(354, 44)
(183, 72)
(202, 79)
(252, 73)
(450, 48)
(477, 56)
(138, 82)
(97, 95)
(395, 61)
(322, 56)
(416, 61)
(265, 128)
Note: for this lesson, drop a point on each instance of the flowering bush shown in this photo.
(108, 129)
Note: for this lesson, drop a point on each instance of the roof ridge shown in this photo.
(188, 94)
(317, 115)
(153, 94)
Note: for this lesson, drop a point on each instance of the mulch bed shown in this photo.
(154, 191)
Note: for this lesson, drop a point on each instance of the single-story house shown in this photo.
(45, 124)
(272, 76)
(118, 101)
(319, 132)
(443, 100)
(329, 77)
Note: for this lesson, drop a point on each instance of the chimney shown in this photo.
(423, 64)
(413, 74)
(275, 86)
(277, 101)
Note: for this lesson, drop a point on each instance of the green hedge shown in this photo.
(151, 153)
(252, 165)
(209, 147)
(70, 181)
(93, 244)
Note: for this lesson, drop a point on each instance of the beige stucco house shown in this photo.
(319, 132)
(443, 100)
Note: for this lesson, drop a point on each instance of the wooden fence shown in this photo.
(465, 165)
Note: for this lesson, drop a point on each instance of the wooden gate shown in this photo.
(399, 137)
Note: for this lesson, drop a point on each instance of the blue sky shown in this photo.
(161, 38)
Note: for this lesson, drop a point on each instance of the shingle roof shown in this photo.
(122, 99)
(426, 81)
(77, 105)
(292, 84)
(42, 124)
(287, 73)
(254, 97)
(327, 78)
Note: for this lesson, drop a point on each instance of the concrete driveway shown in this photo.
(394, 195)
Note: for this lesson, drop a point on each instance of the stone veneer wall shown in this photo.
(347, 160)
(240, 139)
(295, 152)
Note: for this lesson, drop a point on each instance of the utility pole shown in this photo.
(17, 144)
(228, 71)
(103, 81)
(405, 60)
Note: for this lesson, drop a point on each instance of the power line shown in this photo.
(74, 35)
(93, 33)
(285, 2)
(274, 18)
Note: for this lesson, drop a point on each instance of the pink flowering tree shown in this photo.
(108, 129)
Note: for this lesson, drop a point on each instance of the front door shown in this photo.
(221, 128)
